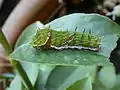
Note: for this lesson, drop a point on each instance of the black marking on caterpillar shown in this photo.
(52, 39)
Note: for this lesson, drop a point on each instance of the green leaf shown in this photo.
(107, 77)
(117, 85)
(31, 69)
(62, 77)
(16, 84)
(45, 71)
(7, 76)
(84, 84)
(16, 64)
(92, 72)
(99, 86)
(95, 23)
(98, 24)
(28, 33)
(54, 57)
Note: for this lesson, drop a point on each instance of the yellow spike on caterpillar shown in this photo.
(51, 39)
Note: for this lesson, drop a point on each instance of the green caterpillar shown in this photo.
(52, 39)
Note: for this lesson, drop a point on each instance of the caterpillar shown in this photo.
(51, 39)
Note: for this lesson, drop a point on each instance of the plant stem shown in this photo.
(15, 63)
(23, 74)
(5, 43)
